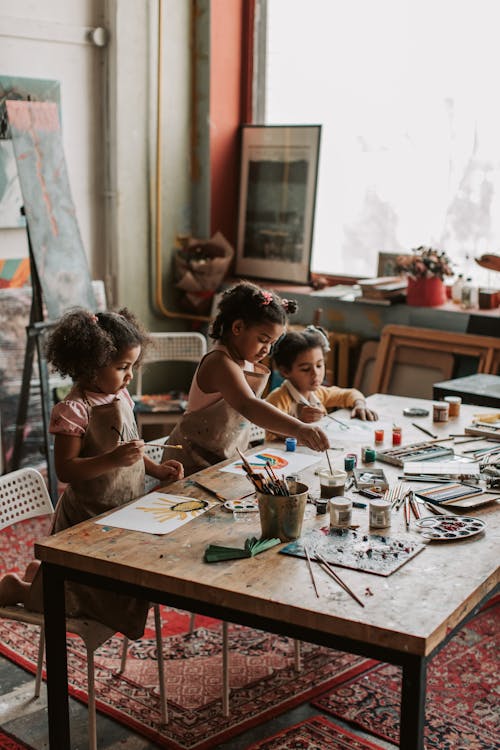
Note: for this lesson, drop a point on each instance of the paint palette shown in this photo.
(243, 505)
(449, 528)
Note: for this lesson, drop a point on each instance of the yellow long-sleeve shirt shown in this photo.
(329, 396)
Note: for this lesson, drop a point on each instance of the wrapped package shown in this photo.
(199, 269)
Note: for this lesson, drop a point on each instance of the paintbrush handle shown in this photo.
(333, 574)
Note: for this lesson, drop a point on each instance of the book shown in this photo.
(253, 546)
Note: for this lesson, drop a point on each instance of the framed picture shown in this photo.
(387, 264)
(279, 171)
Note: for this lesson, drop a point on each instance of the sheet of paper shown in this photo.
(441, 467)
(156, 513)
(287, 462)
(340, 428)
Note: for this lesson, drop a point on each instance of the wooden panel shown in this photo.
(431, 344)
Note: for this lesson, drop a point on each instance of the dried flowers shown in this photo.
(425, 263)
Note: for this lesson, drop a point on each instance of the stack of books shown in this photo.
(383, 290)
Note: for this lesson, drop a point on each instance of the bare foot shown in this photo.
(31, 570)
(12, 589)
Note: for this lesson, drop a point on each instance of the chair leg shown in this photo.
(191, 623)
(39, 662)
(161, 670)
(123, 660)
(91, 703)
(298, 660)
(225, 669)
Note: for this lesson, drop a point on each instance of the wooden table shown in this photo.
(407, 619)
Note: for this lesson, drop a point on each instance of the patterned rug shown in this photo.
(9, 742)
(263, 680)
(462, 710)
(316, 733)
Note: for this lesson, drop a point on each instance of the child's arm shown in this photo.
(70, 467)
(219, 373)
(170, 470)
(346, 398)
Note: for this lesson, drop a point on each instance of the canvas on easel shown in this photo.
(59, 269)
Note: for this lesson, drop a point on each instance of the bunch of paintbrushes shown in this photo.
(268, 483)
(398, 498)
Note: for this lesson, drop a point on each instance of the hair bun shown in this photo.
(290, 305)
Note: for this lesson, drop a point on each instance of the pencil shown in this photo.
(311, 570)
(333, 574)
(407, 512)
(423, 429)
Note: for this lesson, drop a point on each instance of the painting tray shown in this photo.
(370, 553)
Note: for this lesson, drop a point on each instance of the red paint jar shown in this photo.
(397, 435)
(379, 436)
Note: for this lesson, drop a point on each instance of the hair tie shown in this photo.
(94, 319)
(320, 332)
(267, 298)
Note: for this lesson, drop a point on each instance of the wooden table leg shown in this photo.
(57, 663)
(411, 733)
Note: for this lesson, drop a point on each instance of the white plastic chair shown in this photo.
(168, 347)
(23, 495)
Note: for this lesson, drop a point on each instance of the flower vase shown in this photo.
(426, 292)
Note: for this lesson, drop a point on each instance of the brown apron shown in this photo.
(212, 434)
(108, 425)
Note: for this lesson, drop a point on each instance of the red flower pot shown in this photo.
(426, 292)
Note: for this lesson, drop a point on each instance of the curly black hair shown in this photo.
(81, 342)
(253, 305)
(294, 343)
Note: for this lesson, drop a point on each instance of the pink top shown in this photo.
(71, 416)
(197, 398)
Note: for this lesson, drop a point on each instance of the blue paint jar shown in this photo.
(291, 443)
(349, 463)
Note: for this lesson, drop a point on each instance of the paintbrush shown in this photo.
(311, 570)
(210, 491)
(407, 512)
(165, 445)
(333, 574)
(425, 430)
(329, 462)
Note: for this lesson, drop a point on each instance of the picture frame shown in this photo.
(386, 265)
(278, 182)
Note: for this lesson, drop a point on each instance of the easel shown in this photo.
(34, 339)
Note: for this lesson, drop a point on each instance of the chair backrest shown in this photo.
(173, 347)
(155, 453)
(23, 494)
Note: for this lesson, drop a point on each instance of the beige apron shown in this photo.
(212, 434)
(108, 425)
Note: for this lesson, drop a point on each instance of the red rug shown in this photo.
(263, 680)
(316, 733)
(9, 742)
(462, 710)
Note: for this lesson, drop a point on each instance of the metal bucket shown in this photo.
(282, 515)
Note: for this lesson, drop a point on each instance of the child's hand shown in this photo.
(309, 413)
(129, 453)
(361, 411)
(170, 470)
(313, 437)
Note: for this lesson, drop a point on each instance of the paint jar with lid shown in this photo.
(440, 411)
(349, 463)
(291, 443)
(340, 512)
(379, 436)
(454, 403)
(368, 455)
(397, 435)
(380, 513)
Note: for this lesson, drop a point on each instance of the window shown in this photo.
(406, 92)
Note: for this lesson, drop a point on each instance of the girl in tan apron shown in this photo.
(225, 394)
(97, 450)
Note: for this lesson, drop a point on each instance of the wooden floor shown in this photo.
(26, 718)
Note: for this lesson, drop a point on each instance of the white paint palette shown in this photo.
(449, 528)
(242, 505)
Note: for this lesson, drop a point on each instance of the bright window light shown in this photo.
(406, 93)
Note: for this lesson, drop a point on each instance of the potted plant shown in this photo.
(425, 269)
